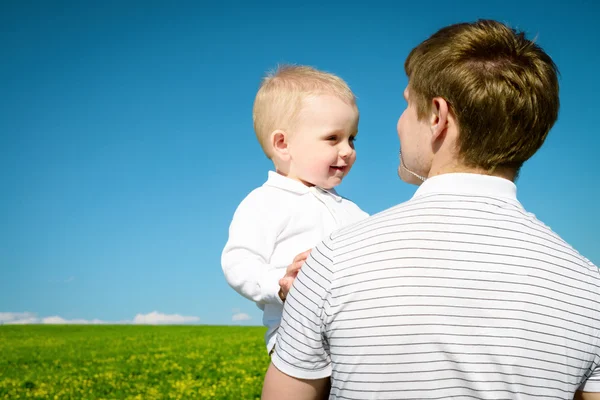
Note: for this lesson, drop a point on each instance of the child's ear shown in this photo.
(280, 144)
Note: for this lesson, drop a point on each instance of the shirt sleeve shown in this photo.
(592, 383)
(301, 350)
(245, 259)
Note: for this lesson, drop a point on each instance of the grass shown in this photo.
(131, 362)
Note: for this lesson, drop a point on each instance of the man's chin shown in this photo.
(407, 177)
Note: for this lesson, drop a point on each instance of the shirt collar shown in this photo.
(465, 183)
(291, 185)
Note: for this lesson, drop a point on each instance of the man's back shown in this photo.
(458, 293)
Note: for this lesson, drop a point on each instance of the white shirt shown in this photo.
(272, 225)
(458, 293)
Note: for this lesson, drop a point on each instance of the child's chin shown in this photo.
(332, 182)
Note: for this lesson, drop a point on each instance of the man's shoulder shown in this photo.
(373, 219)
(366, 226)
(561, 244)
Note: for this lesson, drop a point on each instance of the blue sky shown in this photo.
(126, 138)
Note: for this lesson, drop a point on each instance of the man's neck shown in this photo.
(458, 167)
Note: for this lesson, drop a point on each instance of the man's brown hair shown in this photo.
(501, 87)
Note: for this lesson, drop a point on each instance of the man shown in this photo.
(458, 293)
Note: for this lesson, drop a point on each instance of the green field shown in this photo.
(131, 362)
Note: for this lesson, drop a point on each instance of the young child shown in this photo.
(306, 122)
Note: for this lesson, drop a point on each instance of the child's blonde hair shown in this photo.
(281, 93)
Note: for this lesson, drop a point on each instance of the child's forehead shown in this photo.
(328, 110)
(325, 98)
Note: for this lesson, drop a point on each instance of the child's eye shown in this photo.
(352, 139)
(331, 138)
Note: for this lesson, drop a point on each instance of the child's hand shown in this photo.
(291, 272)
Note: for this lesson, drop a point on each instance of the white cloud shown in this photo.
(23, 321)
(14, 318)
(56, 320)
(241, 317)
(155, 318)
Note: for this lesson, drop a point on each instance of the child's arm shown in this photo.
(245, 259)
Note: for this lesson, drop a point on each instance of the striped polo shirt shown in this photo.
(457, 293)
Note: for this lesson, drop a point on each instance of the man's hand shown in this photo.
(291, 272)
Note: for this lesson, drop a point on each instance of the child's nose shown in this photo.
(345, 151)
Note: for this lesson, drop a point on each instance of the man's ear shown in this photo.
(439, 118)
(279, 144)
